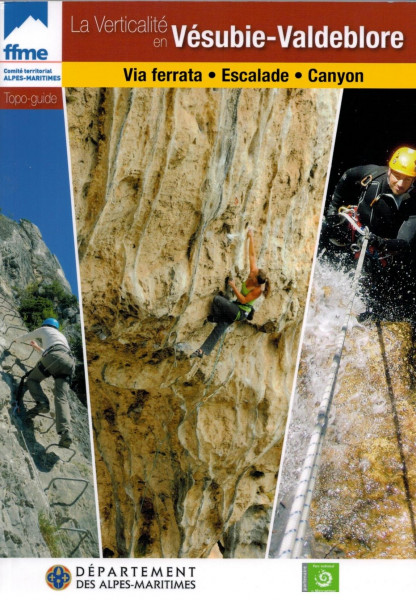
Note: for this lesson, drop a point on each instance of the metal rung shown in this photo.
(11, 315)
(8, 303)
(14, 327)
(84, 481)
(85, 533)
(14, 341)
(62, 448)
(49, 428)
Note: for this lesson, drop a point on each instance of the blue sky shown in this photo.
(35, 179)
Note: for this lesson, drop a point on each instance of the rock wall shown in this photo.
(166, 183)
(364, 506)
(25, 257)
(364, 499)
(38, 507)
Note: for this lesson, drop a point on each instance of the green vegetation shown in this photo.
(50, 534)
(34, 310)
(40, 301)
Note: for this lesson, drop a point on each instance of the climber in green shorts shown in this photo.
(224, 311)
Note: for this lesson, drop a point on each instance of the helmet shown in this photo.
(51, 323)
(403, 161)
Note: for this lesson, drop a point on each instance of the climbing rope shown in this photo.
(294, 536)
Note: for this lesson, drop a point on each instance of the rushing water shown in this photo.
(360, 495)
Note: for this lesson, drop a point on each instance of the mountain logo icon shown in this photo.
(17, 13)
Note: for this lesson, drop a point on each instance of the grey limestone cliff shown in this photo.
(47, 494)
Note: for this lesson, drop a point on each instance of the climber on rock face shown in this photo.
(57, 361)
(224, 311)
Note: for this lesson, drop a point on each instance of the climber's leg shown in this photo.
(213, 338)
(223, 310)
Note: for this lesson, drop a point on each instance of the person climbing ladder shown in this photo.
(224, 311)
(57, 361)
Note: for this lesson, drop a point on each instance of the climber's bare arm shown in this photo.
(251, 255)
(36, 346)
(252, 295)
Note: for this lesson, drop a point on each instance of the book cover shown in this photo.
(189, 148)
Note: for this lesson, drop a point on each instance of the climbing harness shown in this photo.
(350, 214)
(18, 403)
(294, 536)
(47, 373)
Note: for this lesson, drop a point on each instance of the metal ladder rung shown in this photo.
(84, 481)
(62, 448)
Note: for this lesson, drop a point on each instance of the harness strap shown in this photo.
(365, 182)
(44, 370)
(242, 313)
(47, 373)
(371, 187)
(55, 347)
(20, 392)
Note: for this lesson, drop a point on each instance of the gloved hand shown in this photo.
(376, 241)
(333, 220)
(395, 245)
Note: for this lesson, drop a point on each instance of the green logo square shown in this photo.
(320, 577)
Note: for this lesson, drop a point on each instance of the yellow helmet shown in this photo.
(403, 161)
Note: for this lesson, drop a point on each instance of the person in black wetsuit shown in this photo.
(385, 196)
(224, 311)
(386, 204)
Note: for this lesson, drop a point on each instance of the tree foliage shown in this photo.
(41, 301)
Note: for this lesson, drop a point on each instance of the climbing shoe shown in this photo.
(66, 439)
(197, 354)
(39, 408)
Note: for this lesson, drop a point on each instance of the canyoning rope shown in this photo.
(294, 536)
(346, 212)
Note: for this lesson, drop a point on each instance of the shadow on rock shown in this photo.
(44, 461)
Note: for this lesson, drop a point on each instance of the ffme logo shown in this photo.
(32, 31)
(31, 44)
(14, 52)
(25, 20)
(16, 14)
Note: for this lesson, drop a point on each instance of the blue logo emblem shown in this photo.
(58, 577)
(16, 13)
